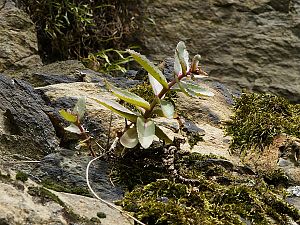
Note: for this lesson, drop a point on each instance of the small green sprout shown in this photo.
(75, 117)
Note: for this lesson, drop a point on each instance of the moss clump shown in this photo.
(61, 187)
(21, 176)
(212, 201)
(193, 139)
(258, 118)
(101, 215)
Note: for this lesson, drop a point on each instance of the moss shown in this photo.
(61, 187)
(21, 176)
(101, 215)
(212, 201)
(193, 139)
(258, 118)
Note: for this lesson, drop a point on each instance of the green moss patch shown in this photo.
(258, 118)
(222, 194)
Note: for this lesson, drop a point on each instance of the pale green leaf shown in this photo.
(149, 67)
(183, 57)
(73, 129)
(130, 138)
(80, 107)
(167, 108)
(129, 97)
(68, 116)
(146, 131)
(117, 108)
(156, 86)
(177, 65)
(198, 90)
(162, 135)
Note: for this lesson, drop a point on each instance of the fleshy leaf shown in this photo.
(162, 135)
(183, 57)
(146, 131)
(167, 108)
(177, 65)
(68, 116)
(73, 129)
(117, 108)
(156, 86)
(80, 107)
(149, 67)
(195, 62)
(198, 90)
(130, 138)
(129, 97)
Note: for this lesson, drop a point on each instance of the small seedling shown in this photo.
(75, 118)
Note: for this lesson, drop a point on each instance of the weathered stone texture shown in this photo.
(18, 41)
(248, 44)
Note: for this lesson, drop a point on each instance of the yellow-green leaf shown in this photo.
(146, 131)
(129, 97)
(149, 67)
(68, 116)
(117, 108)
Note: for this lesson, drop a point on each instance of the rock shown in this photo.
(30, 203)
(25, 128)
(245, 44)
(68, 71)
(67, 170)
(97, 120)
(18, 41)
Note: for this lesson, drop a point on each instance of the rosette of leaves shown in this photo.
(142, 129)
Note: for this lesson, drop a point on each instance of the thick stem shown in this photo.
(161, 94)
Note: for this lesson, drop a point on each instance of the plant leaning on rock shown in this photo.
(141, 128)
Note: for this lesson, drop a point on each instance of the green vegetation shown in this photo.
(141, 129)
(77, 28)
(21, 176)
(258, 118)
(218, 197)
(61, 187)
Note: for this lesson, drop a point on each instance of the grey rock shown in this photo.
(244, 44)
(25, 128)
(70, 171)
(18, 41)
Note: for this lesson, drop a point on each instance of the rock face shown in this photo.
(246, 44)
(18, 41)
(25, 127)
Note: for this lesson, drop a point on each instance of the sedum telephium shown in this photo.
(142, 129)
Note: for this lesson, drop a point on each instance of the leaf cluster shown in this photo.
(258, 118)
(142, 129)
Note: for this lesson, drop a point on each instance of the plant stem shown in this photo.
(86, 137)
(162, 93)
